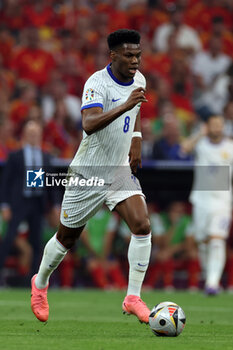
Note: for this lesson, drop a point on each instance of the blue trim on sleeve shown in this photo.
(92, 105)
(115, 79)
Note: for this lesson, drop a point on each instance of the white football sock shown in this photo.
(138, 256)
(202, 254)
(216, 262)
(54, 253)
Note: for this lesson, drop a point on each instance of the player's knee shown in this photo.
(142, 227)
(67, 241)
(68, 236)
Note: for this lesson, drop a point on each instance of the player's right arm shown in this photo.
(188, 144)
(94, 119)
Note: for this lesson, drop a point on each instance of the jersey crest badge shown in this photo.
(89, 96)
(225, 155)
(65, 215)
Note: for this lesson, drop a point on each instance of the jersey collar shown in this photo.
(115, 79)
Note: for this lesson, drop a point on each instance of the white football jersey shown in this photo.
(213, 163)
(107, 148)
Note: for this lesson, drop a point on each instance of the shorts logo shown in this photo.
(135, 180)
(89, 96)
(35, 178)
(65, 215)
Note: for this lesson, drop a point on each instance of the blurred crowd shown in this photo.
(99, 260)
(49, 48)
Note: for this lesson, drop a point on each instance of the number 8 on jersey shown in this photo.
(126, 124)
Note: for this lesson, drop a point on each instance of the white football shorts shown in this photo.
(207, 223)
(80, 204)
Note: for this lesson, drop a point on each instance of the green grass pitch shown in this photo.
(90, 319)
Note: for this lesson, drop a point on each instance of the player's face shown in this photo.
(126, 60)
(215, 127)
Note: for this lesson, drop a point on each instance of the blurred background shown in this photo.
(48, 49)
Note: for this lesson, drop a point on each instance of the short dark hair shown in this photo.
(217, 19)
(212, 116)
(122, 36)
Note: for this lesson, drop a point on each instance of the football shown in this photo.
(167, 319)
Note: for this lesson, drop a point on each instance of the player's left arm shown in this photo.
(136, 147)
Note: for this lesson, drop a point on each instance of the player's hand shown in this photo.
(6, 214)
(135, 154)
(136, 96)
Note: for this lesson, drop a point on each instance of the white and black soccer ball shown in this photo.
(167, 319)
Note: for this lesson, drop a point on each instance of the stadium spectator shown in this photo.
(211, 197)
(228, 116)
(185, 37)
(30, 62)
(118, 17)
(29, 203)
(219, 29)
(7, 141)
(69, 12)
(58, 140)
(11, 15)
(206, 67)
(57, 91)
(150, 110)
(168, 146)
(148, 139)
(64, 139)
(157, 62)
(6, 45)
(182, 91)
(165, 107)
(7, 81)
(20, 257)
(38, 13)
(221, 91)
(200, 14)
(70, 63)
(164, 90)
(98, 240)
(35, 114)
(174, 247)
(20, 107)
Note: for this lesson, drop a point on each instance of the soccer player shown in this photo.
(111, 123)
(211, 197)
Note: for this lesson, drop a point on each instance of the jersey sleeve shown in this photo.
(93, 93)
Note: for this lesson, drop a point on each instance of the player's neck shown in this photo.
(118, 75)
(216, 140)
